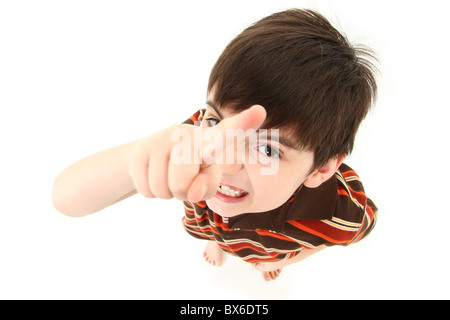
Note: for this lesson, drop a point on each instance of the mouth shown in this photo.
(231, 191)
(230, 194)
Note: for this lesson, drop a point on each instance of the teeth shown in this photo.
(229, 191)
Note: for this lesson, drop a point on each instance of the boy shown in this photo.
(292, 92)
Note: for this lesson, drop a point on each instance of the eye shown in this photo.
(211, 122)
(269, 151)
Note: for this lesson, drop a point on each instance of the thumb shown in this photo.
(223, 135)
(252, 118)
(205, 184)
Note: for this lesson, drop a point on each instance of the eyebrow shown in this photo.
(281, 139)
(215, 107)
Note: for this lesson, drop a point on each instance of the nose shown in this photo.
(231, 169)
(233, 159)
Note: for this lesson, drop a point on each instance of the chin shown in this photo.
(225, 210)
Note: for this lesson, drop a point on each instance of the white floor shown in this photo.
(139, 250)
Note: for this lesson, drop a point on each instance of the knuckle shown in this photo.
(144, 191)
(148, 194)
(162, 192)
(178, 190)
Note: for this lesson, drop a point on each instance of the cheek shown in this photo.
(272, 191)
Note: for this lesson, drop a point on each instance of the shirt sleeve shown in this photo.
(352, 187)
(368, 223)
(196, 118)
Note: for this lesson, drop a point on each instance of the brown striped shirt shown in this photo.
(336, 213)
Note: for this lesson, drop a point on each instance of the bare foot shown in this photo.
(270, 270)
(271, 275)
(213, 254)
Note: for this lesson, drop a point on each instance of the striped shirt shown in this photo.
(338, 212)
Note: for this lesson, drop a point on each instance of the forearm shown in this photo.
(94, 182)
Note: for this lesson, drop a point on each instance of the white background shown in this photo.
(77, 77)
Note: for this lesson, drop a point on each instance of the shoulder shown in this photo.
(346, 216)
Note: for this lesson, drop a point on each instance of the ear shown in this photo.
(318, 176)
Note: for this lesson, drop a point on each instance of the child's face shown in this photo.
(258, 192)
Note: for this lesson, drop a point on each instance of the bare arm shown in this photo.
(145, 166)
(94, 182)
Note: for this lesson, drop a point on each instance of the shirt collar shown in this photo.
(307, 203)
(314, 203)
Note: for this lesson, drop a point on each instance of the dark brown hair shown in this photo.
(308, 77)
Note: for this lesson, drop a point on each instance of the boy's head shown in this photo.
(315, 88)
(307, 76)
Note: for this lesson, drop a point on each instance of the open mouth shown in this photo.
(230, 191)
